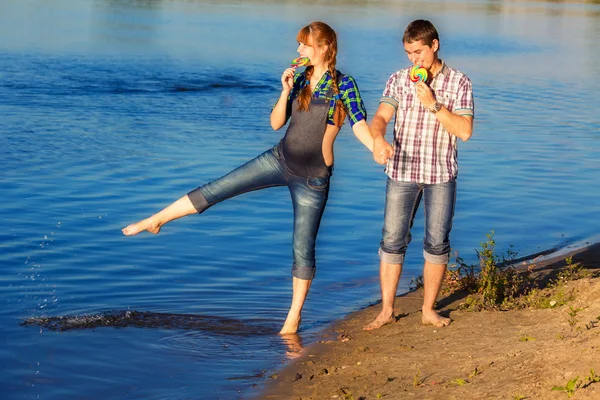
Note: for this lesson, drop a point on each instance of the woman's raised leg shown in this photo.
(261, 172)
(178, 209)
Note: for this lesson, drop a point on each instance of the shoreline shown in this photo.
(520, 353)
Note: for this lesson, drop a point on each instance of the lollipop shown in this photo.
(299, 61)
(418, 74)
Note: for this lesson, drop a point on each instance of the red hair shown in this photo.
(320, 34)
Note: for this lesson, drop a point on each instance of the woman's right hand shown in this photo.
(287, 79)
(382, 150)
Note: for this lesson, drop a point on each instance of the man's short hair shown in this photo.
(420, 29)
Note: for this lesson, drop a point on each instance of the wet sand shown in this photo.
(517, 354)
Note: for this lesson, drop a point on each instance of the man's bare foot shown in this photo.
(147, 224)
(379, 321)
(290, 326)
(435, 319)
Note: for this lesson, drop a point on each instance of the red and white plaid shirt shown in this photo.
(424, 151)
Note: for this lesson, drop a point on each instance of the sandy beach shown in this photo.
(517, 354)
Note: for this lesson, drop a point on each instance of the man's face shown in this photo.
(421, 54)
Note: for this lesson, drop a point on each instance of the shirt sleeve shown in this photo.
(390, 93)
(350, 97)
(464, 104)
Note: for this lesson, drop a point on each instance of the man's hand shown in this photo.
(382, 150)
(425, 95)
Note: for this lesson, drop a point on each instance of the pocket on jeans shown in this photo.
(276, 153)
(317, 183)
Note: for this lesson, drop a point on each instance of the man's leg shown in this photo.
(439, 202)
(433, 275)
(389, 276)
(401, 204)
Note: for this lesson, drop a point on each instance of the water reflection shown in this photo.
(293, 343)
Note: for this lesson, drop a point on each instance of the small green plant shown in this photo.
(572, 272)
(569, 388)
(494, 283)
(475, 372)
(459, 382)
(572, 316)
(519, 397)
(417, 380)
(416, 283)
(491, 285)
(592, 378)
(379, 396)
(543, 299)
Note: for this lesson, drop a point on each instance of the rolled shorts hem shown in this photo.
(306, 273)
(390, 258)
(436, 259)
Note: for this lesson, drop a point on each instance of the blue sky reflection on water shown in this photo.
(112, 109)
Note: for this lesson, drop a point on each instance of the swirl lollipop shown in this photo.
(299, 61)
(418, 74)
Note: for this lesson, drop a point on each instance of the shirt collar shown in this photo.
(442, 70)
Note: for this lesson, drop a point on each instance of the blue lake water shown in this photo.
(112, 109)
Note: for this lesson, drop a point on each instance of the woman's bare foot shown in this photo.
(294, 345)
(148, 224)
(291, 325)
(381, 320)
(435, 319)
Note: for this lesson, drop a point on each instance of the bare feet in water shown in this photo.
(290, 326)
(433, 318)
(147, 224)
(379, 321)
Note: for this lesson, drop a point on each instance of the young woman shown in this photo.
(316, 102)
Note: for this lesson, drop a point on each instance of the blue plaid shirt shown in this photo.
(348, 94)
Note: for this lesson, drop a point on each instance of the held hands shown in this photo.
(425, 95)
(287, 79)
(382, 150)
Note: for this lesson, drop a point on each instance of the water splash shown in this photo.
(143, 319)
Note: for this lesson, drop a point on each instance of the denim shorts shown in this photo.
(309, 196)
(401, 204)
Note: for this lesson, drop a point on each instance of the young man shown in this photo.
(422, 163)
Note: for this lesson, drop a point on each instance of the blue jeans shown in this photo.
(309, 196)
(401, 204)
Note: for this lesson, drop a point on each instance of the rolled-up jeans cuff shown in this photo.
(306, 273)
(198, 200)
(390, 258)
(436, 259)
